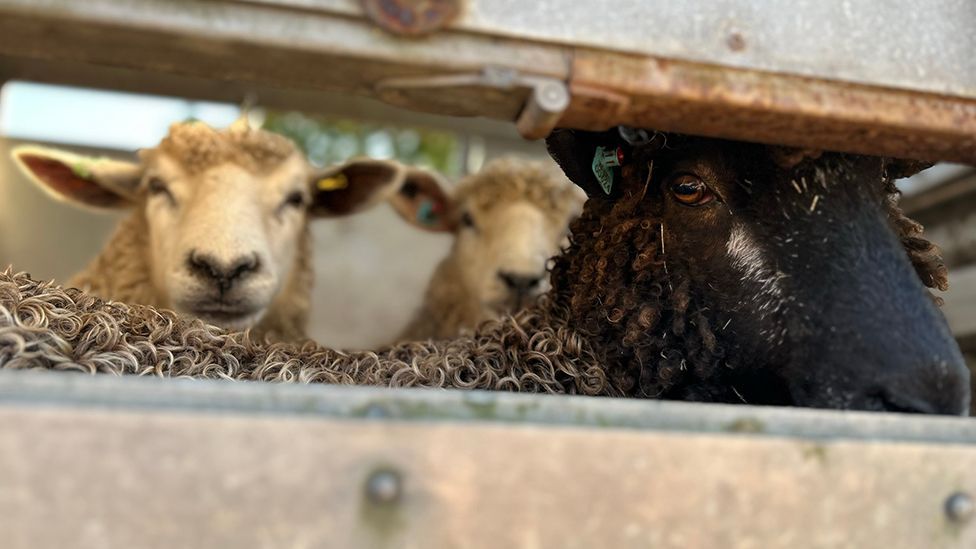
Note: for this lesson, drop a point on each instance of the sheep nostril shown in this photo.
(884, 402)
(520, 282)
(208, 267)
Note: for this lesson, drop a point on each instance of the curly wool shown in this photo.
(197, 147)
(43, 326)
(510, 179)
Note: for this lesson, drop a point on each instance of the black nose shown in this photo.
(939, 388)
(518, 282)
(223, 274)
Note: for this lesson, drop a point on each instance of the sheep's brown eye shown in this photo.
(691, 190)
(158, 187)
(295, 200)
(467, 220)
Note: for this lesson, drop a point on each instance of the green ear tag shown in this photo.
(82, 169)
(604, 161)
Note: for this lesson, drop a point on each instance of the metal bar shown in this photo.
(105, 462)
(46, 388)
(609, 89)
(891, 44)
(894, 79)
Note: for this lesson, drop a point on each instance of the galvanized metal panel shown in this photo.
(824, 93)
(898, 43)
(211, 464)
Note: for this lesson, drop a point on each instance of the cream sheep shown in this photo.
(219, 222)
(508, 220)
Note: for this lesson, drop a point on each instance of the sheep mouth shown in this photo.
(230, 317)
(512, 303)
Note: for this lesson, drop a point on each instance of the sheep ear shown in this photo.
(790, 157)
(423, 202)
(354, 186)
(898, 168)
(80, 180)
(579, 152)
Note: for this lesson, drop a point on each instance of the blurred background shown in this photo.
(371, 269)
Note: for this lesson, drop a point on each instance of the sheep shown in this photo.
(219, 222)
(508, 220)
(702, 270)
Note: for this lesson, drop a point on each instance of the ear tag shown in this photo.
(82, 169)
(334, 183)
(604, 161)
(427, 212)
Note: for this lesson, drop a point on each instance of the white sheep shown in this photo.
(219, 222)
(508, 220)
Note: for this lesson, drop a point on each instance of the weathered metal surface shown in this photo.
(897, 79)
(102, 462)
(412, 17)
(898, 43)
(244, 43)
(546, 98)
(609, 89)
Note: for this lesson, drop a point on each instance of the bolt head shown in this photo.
(384, 487)
(960, 507)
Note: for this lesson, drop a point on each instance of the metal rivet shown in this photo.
(384, 487)
(736, 42)
(959, 507)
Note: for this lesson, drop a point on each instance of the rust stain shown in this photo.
(611, 88)
(412, 17)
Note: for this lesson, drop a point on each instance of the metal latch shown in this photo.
(547, 100)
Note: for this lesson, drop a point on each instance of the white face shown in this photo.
(503, 251)
(224, 241)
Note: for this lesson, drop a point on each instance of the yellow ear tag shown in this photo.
(333, 183)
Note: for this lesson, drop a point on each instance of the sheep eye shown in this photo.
(467, 221)
(295, 200)
(158, 187)
(690, 190)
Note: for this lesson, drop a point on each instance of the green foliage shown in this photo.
(328, 141)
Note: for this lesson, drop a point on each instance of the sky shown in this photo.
(97, 118)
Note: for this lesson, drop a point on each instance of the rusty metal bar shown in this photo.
(896, 79)
(110, 462)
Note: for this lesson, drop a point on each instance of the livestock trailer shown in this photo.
(105, 462)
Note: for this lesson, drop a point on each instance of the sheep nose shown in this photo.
(940, 389)
(223, 274)
(520, 282)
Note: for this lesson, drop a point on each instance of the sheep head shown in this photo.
(716, 270)
(508, 220)
(226, 211)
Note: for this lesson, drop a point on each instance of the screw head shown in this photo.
(384, 487)
(960, 507)
(736, 41)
